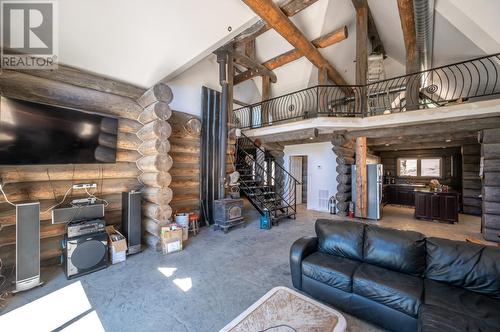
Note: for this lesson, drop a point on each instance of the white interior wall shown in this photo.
(321, 171)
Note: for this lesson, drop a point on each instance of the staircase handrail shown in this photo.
(266, 172)
(275, 164)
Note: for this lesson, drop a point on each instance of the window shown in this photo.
(407, 167)
(423, 167)
(430, 167)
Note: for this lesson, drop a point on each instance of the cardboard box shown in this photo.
(117, 248)
(171, 239)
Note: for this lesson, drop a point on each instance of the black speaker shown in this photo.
(131, 220)
(27, 246)
(85, 254)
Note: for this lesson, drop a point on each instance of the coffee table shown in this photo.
(285, 310)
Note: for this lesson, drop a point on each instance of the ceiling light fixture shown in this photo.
(387, 144)
(448, 141)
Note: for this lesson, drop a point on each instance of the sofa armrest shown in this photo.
(300, 249)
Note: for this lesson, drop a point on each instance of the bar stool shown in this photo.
(194, 223)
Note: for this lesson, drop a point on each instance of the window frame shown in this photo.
(398, 169)
(419, 168)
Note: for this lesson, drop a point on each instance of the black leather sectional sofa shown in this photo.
(400, 280)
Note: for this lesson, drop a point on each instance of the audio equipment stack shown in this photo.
(85, 247)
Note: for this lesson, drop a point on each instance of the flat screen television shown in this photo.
(32, 133)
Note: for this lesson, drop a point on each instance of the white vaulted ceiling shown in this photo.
(142, 42)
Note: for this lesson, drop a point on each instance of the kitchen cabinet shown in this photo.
(436, 205)
(400, 194)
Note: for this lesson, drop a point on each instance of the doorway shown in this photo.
(298, 169)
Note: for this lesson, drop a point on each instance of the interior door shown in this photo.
(296, 171)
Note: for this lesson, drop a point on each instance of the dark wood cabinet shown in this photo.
(436, 206)
(401, 195)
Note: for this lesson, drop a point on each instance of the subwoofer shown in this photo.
(27, 246)
(131, 220)
(86, 250)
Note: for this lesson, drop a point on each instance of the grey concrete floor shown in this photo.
(228, 272)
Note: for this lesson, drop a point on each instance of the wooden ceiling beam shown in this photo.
(424, 145)
(377, 45)
(321, 42)
(406, 15)
(438, 128)
(373, 142)
(292, 7)
(292, 55)
(255, 67)
(289, 8)
(277, 20)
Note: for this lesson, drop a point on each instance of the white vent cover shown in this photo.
(323, 198)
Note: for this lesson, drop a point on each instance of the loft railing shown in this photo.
(433, 88)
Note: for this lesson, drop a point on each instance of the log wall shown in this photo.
(48, 183)
(471, 182)
(490, 154)
(155, 161)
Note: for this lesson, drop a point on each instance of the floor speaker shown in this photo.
(131, 220)
(27, 246)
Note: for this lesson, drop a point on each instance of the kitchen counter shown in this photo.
(428, 190)
(434, 205)
(405, 185)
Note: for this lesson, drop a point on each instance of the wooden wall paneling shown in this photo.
(490, 143)
(471, 182)
(37, 89)
(48, 183)
(186, 153)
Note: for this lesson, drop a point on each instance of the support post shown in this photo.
(362, 54)
(407, 17)
(361, 177)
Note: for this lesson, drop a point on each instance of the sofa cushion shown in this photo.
(394, 289)
(485, 276)
(437, 319)
(340, 238)
(402, 251)
(331, 270)
(467, 265)
(462, 301)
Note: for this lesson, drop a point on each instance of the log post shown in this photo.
(361, 180)
(344, 150)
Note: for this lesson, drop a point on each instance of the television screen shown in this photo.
(32, 133)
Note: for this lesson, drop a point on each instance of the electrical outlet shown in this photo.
(85, 186)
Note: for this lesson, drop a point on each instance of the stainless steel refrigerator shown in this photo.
(374, 183)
